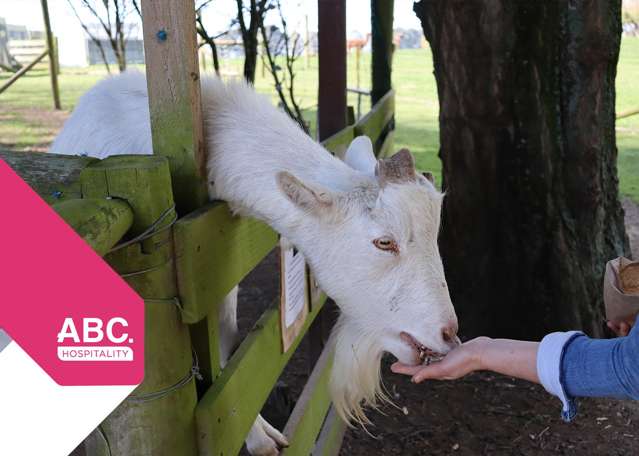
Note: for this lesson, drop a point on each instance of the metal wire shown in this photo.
(152, 230)
(174, 300)
(148, 397)
(144, 271)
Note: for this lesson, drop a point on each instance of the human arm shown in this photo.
(514, 358)
(568, 365)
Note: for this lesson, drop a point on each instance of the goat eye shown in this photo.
(386, 243)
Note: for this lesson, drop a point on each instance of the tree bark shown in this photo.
(257, 9)
(527, 118)
(250, 57)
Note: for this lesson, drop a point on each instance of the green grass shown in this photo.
(628, 128)
(416, 116)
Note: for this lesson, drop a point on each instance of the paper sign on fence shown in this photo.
(294, 292)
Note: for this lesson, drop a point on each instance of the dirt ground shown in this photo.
(482, 414)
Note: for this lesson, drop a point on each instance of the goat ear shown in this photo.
(397, 169)
(360, 156)
(303, 196)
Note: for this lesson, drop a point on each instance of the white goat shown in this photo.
(368, 229)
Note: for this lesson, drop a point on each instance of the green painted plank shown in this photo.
(100, 222)
(331, 436)
(53, 177)
(226, 412)
(305, 423)
(205, 337)
(373, 123)
(214, 252)
(338, 143)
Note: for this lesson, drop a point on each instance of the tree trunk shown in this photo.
(527, 118)
(250, 56)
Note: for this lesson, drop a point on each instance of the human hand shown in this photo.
(621, 327)
(457, 363)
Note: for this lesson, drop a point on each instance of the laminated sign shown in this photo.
(294, 293)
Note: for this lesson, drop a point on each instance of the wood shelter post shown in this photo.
(382, 42)
(331, 119)
(173, 80)
(332, 66)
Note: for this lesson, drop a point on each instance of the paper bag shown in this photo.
(621, 289)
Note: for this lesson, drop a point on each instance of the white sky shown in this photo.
(217, 17)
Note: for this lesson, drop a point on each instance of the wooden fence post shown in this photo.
(53, 70)
(173, 79)
(331, 119)
(158, 418)
(332, 67)
(382, 43)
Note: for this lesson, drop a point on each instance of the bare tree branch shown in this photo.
(93, 38)
(201, 30)
(111, 17)
(137, 7)
(285, 84)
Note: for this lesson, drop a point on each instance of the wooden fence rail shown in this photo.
(379, 124)
(22, 71)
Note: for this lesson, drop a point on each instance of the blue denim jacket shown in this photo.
(573, 365)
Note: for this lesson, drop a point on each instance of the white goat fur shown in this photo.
(264, 166)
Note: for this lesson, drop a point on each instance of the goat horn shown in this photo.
(396, 169)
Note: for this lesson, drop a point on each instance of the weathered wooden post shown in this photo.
(331, 119)
(332, 67)
(173, 79)
(157, 419)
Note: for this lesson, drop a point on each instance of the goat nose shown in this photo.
(449, 334)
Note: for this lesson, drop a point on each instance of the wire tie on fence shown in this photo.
(144, 271)
(174, 300)
(194, 372)
(151, 230)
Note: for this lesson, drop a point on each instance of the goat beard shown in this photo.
(355, 378)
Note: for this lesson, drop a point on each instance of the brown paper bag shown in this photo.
(621, 288)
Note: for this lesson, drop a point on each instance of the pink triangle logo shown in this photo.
(60, 301)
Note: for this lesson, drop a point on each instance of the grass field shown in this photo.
(26, 121)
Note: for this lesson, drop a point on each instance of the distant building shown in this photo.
(134, 49)
(75, 48)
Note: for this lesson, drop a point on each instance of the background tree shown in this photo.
(111, 16)
(204, 35)
(255, 11)
(527, 132)
(281, 43)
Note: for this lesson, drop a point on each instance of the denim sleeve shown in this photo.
(550, 356)
(602, 367)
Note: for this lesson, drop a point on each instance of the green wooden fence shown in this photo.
(183, 267)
